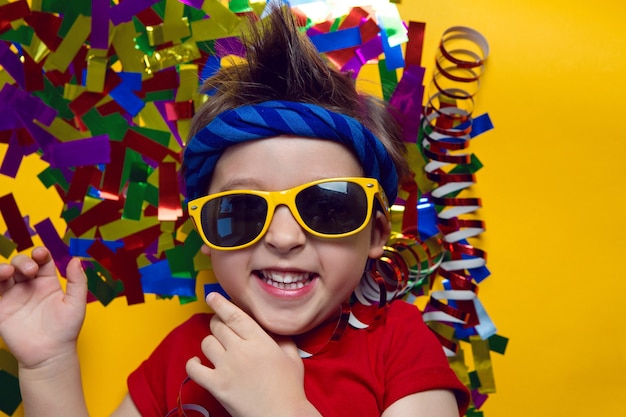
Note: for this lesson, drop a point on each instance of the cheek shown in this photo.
(229, 267)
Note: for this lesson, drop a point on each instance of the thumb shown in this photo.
(76, 290)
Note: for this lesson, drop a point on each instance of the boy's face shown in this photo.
(327, 270)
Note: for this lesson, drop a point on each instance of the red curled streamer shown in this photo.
(446, 128)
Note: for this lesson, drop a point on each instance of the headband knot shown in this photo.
(277, 118)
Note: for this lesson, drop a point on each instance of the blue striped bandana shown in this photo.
(277, 118)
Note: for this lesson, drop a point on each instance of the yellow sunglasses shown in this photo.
(328, 208)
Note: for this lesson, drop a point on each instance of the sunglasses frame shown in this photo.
(370, 186)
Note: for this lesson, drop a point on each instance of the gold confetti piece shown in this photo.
(169, 57)
(221, 16)
(130, 57)
(121, 228)
(73, 41)
(71, 91)
(62, 130)
(482, 364)
(97, 64)
(37, 50)
(168, 32)
(459, 366)
(5, 78)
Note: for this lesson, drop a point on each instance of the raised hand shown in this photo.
(253, 374)
(38, 321)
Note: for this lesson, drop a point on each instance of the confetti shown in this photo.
(103, 92)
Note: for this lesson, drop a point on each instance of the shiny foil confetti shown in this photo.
(103, 92)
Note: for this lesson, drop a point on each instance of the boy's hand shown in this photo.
(253, 375)
(38, 321)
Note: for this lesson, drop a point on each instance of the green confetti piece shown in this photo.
(193, 243)
(70, 214)
(152, 195)
(474, 381)
(159, 95)
(388, 80)
(192, 14)
(187, 299)
(114, 125)
(239, 6)
(180, 262)
(22, 35)
(102, 288)
(472, 412)
(10, 395)
(498, 343)
(53, 97)
(52, 176)
(7, 246)
(139, 172)
(133, 206)
(158, 136)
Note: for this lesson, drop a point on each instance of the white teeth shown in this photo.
(286, 280)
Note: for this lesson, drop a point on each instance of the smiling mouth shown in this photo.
(286, 280)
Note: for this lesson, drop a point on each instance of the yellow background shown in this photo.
(554, 203)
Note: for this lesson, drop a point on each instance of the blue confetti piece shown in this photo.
(333, 41)
(157, 279)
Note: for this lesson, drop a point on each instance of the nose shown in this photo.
(284, 234)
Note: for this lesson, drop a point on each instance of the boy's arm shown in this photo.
(54, 389)
(435, 403)
(40, 324)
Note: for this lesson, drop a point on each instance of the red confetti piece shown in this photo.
(169, 194)
(15, 222)
(122, 266)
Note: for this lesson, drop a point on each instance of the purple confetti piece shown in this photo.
(12, 158)
(43, 138)
(407, 99)
(229, 46)
(12, 64)
(370, 49)
(81, 152)
(197, 4)
(125, 10)
(99, 37)
(58, 249)
(8, 120)
(478, 398)
(30, 106)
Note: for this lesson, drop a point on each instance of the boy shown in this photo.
(289, 172)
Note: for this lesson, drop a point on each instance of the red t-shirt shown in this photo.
(360, 375)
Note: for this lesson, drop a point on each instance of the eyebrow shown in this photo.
(247, 183)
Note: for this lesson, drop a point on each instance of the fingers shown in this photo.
(289, 347)
(76, 289)
(230, 323)
(28, 267)
(196, 370)
(6, 277)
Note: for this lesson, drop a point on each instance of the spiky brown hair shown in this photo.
(282, 64)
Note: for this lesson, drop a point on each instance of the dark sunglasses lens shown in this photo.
(233, 220)
(333, 207)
